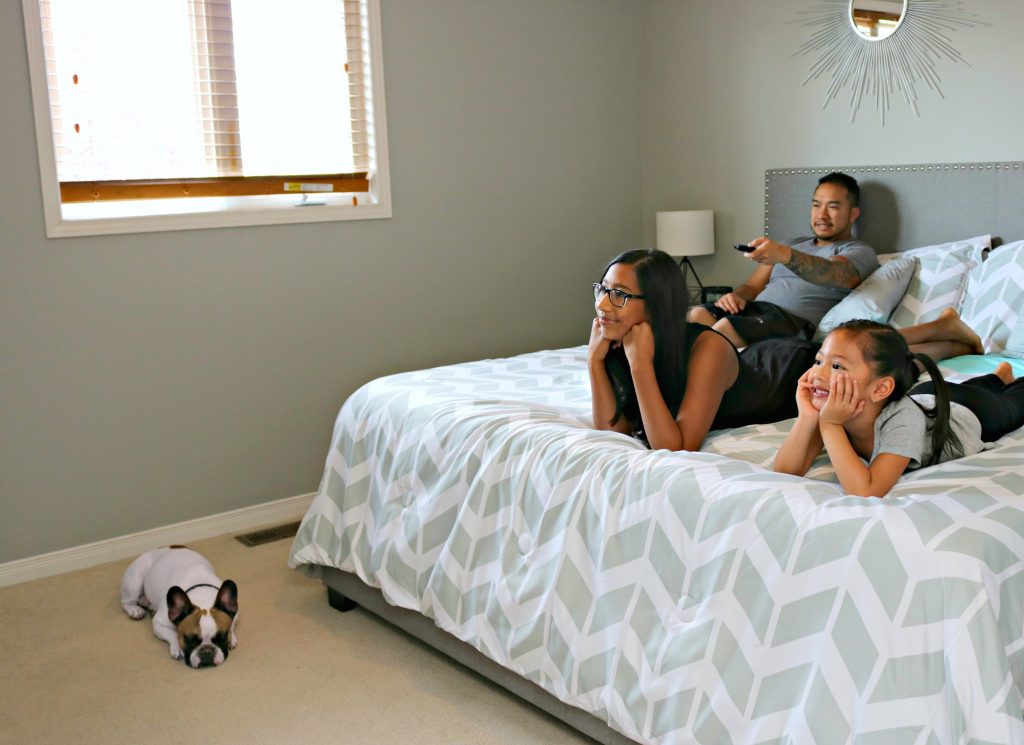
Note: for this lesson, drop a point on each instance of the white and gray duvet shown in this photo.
(681, 597)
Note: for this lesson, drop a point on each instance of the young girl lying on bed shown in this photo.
(658, 377)
(858, 400)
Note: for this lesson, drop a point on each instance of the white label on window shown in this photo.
(295, 186)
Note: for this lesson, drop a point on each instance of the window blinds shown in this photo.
(213, 65)
(199, 146)
(358, 68)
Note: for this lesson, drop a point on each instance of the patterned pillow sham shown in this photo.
(874, 298)
(995, 295)
(1015, 343)
(939, 281)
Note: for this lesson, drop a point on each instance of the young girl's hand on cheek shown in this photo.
(639, 344)
(804, 406)
(844, 401)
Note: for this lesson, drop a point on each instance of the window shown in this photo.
(175, 114)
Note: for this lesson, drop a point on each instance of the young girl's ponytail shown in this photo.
(943, 436)
(887, 352)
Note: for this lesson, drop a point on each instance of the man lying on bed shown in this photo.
(798, 282)
(657, 376)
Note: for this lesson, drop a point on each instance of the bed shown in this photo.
(665, 597)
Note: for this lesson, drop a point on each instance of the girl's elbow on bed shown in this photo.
(794, 466)
(621, 425)
(690, 446)
(675, 446)
(790, 470)
(867, 493)
(867, 487)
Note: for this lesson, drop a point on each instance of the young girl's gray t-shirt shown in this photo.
(903, 429)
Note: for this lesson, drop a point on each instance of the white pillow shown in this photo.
(874, 298)
(995, 296)
(977, 247)
(939, 281)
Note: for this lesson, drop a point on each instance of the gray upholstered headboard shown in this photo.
(904, 207)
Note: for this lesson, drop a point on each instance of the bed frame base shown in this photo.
(345, 592)
(339, 602)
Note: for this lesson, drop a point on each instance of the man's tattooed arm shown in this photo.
(836, 273)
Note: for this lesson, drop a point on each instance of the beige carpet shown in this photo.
(77, 670)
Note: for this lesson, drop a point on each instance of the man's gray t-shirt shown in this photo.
(903, 429)
(807, 299)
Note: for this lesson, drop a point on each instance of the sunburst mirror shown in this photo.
(881, 48)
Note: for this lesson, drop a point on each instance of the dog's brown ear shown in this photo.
(178, 605)
(227, 598)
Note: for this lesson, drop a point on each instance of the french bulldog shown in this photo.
(198, 622)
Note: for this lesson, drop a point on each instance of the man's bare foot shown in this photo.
(1004, 372)
(954, 329)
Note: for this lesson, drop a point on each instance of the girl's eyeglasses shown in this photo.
(618, 297)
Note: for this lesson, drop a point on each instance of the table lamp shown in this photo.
(687, 233)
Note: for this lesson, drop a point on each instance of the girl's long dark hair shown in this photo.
(888, 354)
(664, 289)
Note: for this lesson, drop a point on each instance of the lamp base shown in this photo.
(686, 265)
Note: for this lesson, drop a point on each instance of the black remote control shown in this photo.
(743, 247)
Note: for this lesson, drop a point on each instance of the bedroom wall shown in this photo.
(154, 378)
(723, 102)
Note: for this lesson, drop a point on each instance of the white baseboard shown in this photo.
(114, 549)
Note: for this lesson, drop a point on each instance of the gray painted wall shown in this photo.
(149, 379)
(723, 102)
(155, 378)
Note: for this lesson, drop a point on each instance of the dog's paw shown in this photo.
(135, 612)
(175, 652)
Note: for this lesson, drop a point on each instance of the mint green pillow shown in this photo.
(874, 298)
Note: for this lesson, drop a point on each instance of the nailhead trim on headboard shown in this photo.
(768, 174)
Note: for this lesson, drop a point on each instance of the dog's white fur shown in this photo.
(147, 586)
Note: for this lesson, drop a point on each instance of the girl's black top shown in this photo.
(765, 388)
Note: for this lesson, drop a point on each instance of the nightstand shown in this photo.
(711, 293)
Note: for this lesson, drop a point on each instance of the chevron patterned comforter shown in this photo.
(681, 597)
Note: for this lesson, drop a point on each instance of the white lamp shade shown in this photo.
(687, 233)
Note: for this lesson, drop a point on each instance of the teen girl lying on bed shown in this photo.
(858, 400)
(658, 377)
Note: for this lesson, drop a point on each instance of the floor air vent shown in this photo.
(267, 535)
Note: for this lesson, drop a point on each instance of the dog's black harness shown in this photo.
(201, 584)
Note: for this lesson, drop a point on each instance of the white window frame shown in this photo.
(71, 220)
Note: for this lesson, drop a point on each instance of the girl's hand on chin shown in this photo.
(598, 347)
(639, 344)
(844, 401)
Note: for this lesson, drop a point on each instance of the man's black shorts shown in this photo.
(760, 320)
